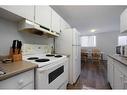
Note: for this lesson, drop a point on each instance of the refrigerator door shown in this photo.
(76, 63)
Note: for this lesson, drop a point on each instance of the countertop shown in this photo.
(15, 68)
(121, 59)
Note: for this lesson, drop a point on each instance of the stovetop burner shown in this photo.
(50, 55)
(58, 56)
(42, 60)
(32, 58)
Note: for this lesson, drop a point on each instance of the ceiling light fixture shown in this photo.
(93, 30)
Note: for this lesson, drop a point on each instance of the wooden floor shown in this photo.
(92, 77)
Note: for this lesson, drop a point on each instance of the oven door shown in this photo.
(52, 76)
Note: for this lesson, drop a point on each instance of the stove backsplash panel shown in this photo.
(36, 49)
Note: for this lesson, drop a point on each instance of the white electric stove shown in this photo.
(52, 71)
(44, 59)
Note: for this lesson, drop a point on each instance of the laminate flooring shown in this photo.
(93, 76)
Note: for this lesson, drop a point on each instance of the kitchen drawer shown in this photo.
(29, 86)
(18, 81)
(121, 67)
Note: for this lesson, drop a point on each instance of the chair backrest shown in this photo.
(83, 50)
(95, 50)
(96, 53)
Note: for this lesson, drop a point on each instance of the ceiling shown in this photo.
(85, 18)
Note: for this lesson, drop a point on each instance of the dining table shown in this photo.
(90, 54)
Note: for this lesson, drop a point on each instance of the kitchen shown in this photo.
(41, 32)
(37, 42)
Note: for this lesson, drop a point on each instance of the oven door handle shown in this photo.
(46, 68)
(41, 70)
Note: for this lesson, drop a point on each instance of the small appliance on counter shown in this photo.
(121, 50)
(15, 51)
(118, 50)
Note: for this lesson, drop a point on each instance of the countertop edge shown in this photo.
(119, 60)
(12, 74)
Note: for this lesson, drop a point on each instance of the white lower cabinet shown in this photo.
(29, 86)
(117, 74)
(21, 81)
(118, 79)
(125, 82)
(110, 71)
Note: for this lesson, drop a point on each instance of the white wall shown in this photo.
(107, 42)
(8, 33)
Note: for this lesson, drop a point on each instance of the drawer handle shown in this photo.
(20, 82)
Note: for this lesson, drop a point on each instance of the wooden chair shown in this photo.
(96, 56)
(96, 50)
(84, 55)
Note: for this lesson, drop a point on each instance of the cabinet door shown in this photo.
(55, 22)
(63, 24)
(23, 11)
(110, 72)
(118, 79)
(29, 86)
(19, 81)
(123, 21)
(125, 82)
(43, 16)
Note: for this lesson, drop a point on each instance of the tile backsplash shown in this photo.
(9, 32)
(36, 49)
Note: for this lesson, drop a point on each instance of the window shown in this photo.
(122, 40)
(88, 41)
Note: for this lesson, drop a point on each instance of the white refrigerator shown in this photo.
(68, 43)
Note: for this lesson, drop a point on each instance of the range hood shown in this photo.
(28, 26)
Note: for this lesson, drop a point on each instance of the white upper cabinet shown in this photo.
(123, 21)
(23, 11)
(43, 16)
(55, 22)
(63, 24)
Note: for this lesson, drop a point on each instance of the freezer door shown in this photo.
(79, 39)
(76, 63)
(76, 37)
(63, 43)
